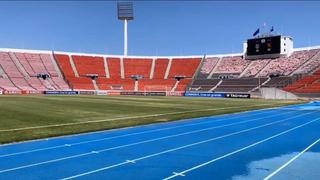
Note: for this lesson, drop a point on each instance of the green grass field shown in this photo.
(32, 117)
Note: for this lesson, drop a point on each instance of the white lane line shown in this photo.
(132, 134)
(240, 150)
(291, 160)
(122, 118)
(182, 147)
(133, 144)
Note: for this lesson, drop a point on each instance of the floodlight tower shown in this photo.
(125, 13)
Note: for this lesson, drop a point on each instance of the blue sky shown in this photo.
(159, 28)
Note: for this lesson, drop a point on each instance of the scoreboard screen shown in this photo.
(265, 45)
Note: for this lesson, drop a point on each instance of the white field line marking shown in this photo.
(239, 150)
(291, 160)
(181, 147)
(122, 118)
(132, 144)
(148, 125)
(131, 134)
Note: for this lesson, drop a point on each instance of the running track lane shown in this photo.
(170, 156)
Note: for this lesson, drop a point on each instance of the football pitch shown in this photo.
(33, 117)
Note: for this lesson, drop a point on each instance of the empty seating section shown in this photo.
(279, 82)
(313, 63)
(80, 83)
(89, 65)
(254, 67)
(36, 84)
(60, 83)
(6, 84)
(232, 65)
(184, 67)
(286, 65)
(156, 84)
(48, 63)
(21, 69)
(160, 68)
(137, 67)
(207, 67)
(32, 63)
(308, 84)
(64, 63)
(203, 84)
(8, 65)
(115, 84)
(22, 84)
(183, 84)
(240, 85)
(114, 67)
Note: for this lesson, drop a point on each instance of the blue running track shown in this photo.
(278, 143)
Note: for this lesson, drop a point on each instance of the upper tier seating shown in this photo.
(232, 65)
(313, 63)
(137, 67)
(254, 67)
(286, 65)
(160, 68)
(89, 65)
(32, 63)
(64, 63)
(207, 67)
(184, 67)
(114, 67)
(48, 64)
(9, 66)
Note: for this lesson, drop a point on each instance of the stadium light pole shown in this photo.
(125, 13)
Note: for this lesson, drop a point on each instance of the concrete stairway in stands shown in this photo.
(121, 68)
(152, 68)
(168, 69)
(18, 64)
(106, 67)
(214, 69)
(136, 85)
(175, 86)
(215, 87)
(95, 85)
(2, 73)
(73, 66)
(56, 67)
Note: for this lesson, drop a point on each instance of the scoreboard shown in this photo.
(264, 46)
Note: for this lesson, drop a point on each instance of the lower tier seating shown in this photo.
(156, 84)
(308, 84)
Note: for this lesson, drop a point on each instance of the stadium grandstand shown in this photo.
(32, 71)
(196, 96)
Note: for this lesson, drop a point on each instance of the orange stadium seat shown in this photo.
(89, 65)
(160, 68)
(134, 66)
